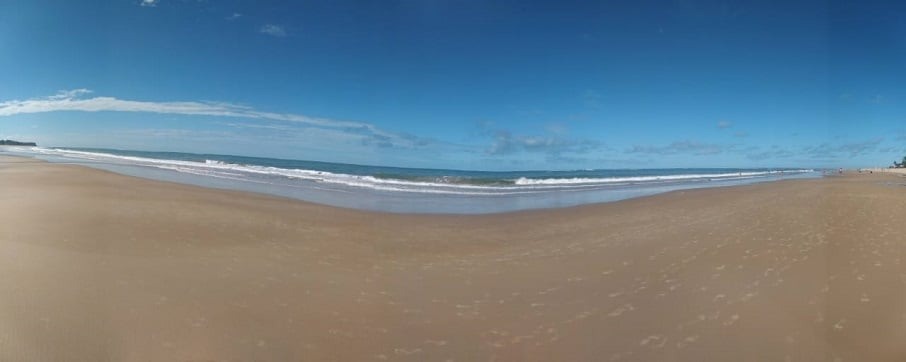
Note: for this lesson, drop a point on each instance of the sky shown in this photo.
(484, 85)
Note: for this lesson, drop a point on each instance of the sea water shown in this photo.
(406, 190)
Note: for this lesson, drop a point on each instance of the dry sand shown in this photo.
(899, 171)
(97, 266)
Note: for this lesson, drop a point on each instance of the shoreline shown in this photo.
(420, 204)
(102, 266)
(894, 171)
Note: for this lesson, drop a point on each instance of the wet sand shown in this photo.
(96, 266)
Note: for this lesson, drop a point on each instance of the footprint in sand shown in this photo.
(619, 311)
(748, 296)
(655, 341)
(650, 339)
(731, 320)
(687, 341)
(406, 352)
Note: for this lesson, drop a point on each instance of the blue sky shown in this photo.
(464, 84)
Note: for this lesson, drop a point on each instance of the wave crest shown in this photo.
(401, 182)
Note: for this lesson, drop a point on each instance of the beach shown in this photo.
(99, 266)
(896, 171)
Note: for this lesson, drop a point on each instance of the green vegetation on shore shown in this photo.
(900, 164)
(16, 143)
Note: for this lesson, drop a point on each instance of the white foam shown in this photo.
(608, 180)
(220, 169)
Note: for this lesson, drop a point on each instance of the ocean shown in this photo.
(406, 190)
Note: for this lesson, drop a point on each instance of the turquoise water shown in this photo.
(396, 189)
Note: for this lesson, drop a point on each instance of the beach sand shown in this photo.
(97, 266)
(898, 171)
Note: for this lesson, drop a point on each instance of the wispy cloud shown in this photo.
(775, 152)
(233, 16)
(554, 142)
(506, 142)
(151, 134)
(149, 3)
(724, 124)
(682, 147)
(76, 100)
(69, 94)
(829, 150)
(823, 152)
(273, 30)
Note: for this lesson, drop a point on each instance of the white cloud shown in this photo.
(72, 93)
(842, 150)
(234, 16)
(724, 124)
(150, 3)
(682, 147)
(75, 100)
(554, 143)
(273, 30)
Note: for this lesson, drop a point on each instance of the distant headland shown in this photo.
(16, 143)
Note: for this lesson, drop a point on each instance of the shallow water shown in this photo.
(402, 190)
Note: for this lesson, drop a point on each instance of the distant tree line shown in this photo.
(16, 143)
(899, 164)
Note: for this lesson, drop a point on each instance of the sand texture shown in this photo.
(96, 266)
